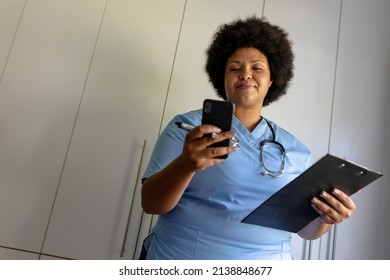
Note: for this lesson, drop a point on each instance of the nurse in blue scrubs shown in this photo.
(200, 198)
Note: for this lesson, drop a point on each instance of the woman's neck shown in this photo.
(249, 118)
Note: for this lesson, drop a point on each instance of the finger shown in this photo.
(327, 214)
(203, 130)
(340, 211)
(212, 152)
(340, 202)
(197, 152)
(332, 209)
(344, 199)
(213, 139)
(209, 157)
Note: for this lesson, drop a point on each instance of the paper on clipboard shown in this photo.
(289, 209)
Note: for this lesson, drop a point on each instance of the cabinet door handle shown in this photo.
(334, 242)
(132, 201)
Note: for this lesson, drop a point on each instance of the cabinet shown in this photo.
(116, 128)
(87, 85)
(40, 90)
(313, 29)
(9, 254)
(10, 13)
(360, 130)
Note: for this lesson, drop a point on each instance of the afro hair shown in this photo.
(258, 33)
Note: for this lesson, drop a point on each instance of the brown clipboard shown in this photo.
(289, 209)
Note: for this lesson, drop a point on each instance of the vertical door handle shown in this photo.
(132, 201)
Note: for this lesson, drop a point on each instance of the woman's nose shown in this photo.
(246, 75)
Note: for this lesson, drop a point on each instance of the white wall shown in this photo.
(71, 124)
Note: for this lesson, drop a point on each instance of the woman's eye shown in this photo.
(234, 69)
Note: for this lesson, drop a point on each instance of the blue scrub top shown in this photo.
(206, 223)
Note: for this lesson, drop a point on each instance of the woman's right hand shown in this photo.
(197, 153)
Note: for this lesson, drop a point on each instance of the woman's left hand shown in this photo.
(335, 207)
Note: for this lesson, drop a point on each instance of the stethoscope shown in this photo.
(263, 144)
(266, 171)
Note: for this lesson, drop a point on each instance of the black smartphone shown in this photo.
(220, 114)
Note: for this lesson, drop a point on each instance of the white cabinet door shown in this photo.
(121, 109)
(360, 128)
(9, 254)
(306, 109)
(10, 13)
(40, 92)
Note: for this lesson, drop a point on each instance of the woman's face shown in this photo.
(247, 78)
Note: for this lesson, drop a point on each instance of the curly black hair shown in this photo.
(258, 33)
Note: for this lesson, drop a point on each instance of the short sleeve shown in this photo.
(169, 145)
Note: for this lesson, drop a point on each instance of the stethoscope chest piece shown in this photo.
(279, 147)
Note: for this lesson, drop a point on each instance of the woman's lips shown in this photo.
(244, 86)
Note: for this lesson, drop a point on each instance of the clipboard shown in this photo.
(289, 209)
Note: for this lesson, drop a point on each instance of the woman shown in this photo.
(202, 199)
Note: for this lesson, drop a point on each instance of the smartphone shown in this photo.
(220, 114)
